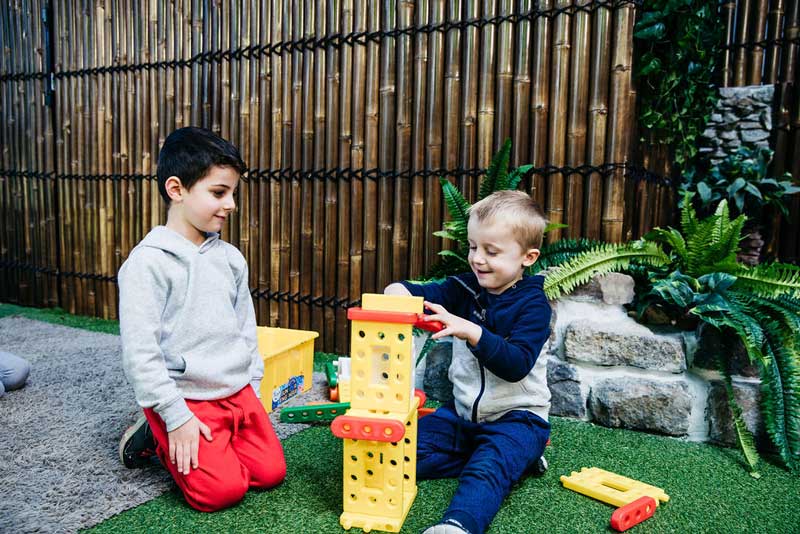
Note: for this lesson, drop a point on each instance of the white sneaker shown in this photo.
(450, 527)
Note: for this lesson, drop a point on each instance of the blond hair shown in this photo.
(516, 209)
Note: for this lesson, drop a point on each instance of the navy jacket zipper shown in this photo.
(480, 364)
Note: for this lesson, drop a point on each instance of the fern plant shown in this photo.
(694, 272)
(498, 177)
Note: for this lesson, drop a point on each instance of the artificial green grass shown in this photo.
(59, 316)
(709, 489)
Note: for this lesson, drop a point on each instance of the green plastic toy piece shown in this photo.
(330, 371)
(314, 413)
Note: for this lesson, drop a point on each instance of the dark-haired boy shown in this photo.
(188, 333)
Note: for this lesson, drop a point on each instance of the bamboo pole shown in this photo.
(244, 138)
(434, 121)
(540, 100)
(728, 15)
(343, 209)
(196, 98)
(63, 132)
(559, 91)
(598, 118)
(307, 157)
(254, 139)
(774, 27)
(469, 116)
(486, 87)
(740, 56)
(786, 80)
(264, 152)
(357, 186)
(286, 161)
(320, 125)
(758, 33)
(452, 95)
(234, 65)
(386, 147)
(620, 108)
(402, 149)
(331, 162)
(522, 90)
(505, 77)
(296, 162)
(577, 119)
(111, 187)
(369, 248)
(276, 162)
(420, 225)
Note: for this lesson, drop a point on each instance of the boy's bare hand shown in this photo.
(453, 324)
(184, 443)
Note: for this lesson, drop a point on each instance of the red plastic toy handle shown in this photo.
(367, 428)
(418, 393)
(430, 326)
(633, 513)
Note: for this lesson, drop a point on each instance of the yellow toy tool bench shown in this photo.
(380, 428)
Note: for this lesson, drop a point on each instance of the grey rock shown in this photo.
(617, 288)
(642, 404)
(754, 136)
(718, 412)
(602, 344)
(567, 399)
(711, 343)
(436, 384)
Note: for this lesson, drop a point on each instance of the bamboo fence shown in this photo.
(763, 48)
(347, 113)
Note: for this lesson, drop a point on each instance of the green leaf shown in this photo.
(496, 178)
(651, 33)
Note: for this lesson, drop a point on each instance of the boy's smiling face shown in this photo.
(495, 255)
(205, 206)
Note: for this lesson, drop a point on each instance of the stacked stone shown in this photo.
(742, 117)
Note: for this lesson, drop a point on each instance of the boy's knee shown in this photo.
(270, 475)
(220, 495)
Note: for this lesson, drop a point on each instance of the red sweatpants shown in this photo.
(244, 451)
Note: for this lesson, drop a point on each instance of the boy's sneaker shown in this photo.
(539, 468)
(137, 448)
(448, 526)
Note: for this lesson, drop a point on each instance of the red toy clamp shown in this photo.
(633, 513)
(367, 428)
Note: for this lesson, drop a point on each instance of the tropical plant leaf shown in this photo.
(603, 259)
(496, 178)
(769, 280)
(744, 436)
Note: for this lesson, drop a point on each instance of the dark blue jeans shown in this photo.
(487, 458)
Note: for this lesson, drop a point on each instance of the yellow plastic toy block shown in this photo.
(288, 363)
(611, 488)
(382, 359)
(379, 477)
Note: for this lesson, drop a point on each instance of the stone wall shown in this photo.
(743, 116)
(605, 367)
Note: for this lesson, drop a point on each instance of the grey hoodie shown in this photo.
(187, 323)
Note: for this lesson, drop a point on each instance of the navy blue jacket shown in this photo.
(515, 324)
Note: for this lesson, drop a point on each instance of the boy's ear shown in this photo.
(174, 188)
(531, 256)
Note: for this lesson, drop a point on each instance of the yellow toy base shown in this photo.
(611, 488)
(368, 522)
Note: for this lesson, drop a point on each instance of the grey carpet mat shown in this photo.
(59, 469)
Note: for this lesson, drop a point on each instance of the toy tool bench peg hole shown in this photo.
(388, 431)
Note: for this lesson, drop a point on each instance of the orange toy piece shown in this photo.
(368, 428)
(422, 412)
(334, 394)
(632, 514)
